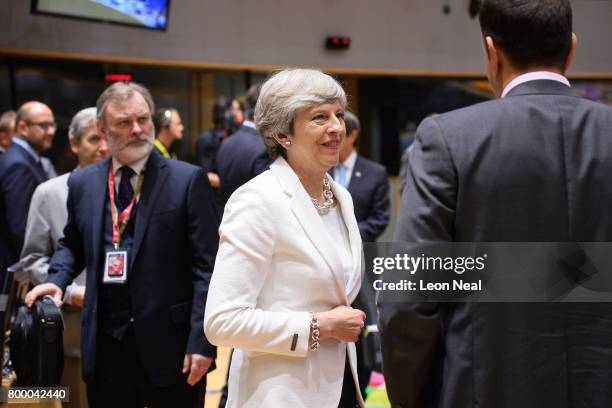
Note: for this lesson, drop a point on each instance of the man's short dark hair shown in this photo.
(250, 100)
(529, 32)
(351, 123)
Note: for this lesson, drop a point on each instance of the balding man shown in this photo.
(21, 170)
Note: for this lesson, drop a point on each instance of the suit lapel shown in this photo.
(99, 192)
(348, 216)
(34, 165)
(310, 220)
(355, 176)
(155, 176)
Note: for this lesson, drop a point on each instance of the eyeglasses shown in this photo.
(45, 126)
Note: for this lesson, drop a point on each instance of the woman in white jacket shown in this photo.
(289, 260)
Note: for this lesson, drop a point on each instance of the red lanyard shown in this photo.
(120, 221)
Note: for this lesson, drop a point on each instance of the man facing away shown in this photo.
(21, 170)
(533, 165)
(145, 227)
(47, 217)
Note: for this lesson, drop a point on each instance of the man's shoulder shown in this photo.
(370, 165)
(180, 167)
(13, 156)
(53, 185)
(245, 142)
(468, 113)
(85, 174)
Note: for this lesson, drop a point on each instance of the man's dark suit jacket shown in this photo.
(20, 174)
(533, 166)
(170, 265)
(369, 188)
(241, 157)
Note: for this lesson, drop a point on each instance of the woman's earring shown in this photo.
(288, 143)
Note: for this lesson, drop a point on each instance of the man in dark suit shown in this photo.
(533, 165)
(369, 187)
(21, 170)
(146, 229)
(243, 155)
(366, 181)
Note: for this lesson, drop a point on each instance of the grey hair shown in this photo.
(7, 121)
(351, 122)
(287, 92)
(84, 119)
(121, 91)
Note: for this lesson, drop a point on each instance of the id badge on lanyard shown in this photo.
(116, 261)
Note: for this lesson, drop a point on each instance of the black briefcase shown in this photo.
(36, 344)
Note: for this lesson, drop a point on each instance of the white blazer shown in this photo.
(276, 263)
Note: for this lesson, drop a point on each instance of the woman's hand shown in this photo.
(342, 323)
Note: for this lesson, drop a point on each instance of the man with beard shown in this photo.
(142, 341)
(21, 170)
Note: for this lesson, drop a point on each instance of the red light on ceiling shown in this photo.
(337, 42)
(118, 77)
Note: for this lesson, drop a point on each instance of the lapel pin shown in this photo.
(358, 174)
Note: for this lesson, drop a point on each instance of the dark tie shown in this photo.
(126, 191)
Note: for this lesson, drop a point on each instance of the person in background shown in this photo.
(289, 261)
(47, 217)
(369, 187)
(142, 341)
(243, 155)
(21, 171)
(209, 142)
(366, 181)
(169, 129)
(7, 128)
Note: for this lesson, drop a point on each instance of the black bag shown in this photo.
(36, 344)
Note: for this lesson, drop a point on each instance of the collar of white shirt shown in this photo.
(249, 124)
(349, 162)
(136, 166)
(534, 76)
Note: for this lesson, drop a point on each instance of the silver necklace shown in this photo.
(324, 207)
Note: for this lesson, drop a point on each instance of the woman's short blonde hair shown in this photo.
(287, 92)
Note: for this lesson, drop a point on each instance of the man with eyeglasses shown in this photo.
(21, 171)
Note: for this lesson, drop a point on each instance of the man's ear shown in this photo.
(101, 128)
(571, 54)
(21, 128)
(74, 146)
(492, 55)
